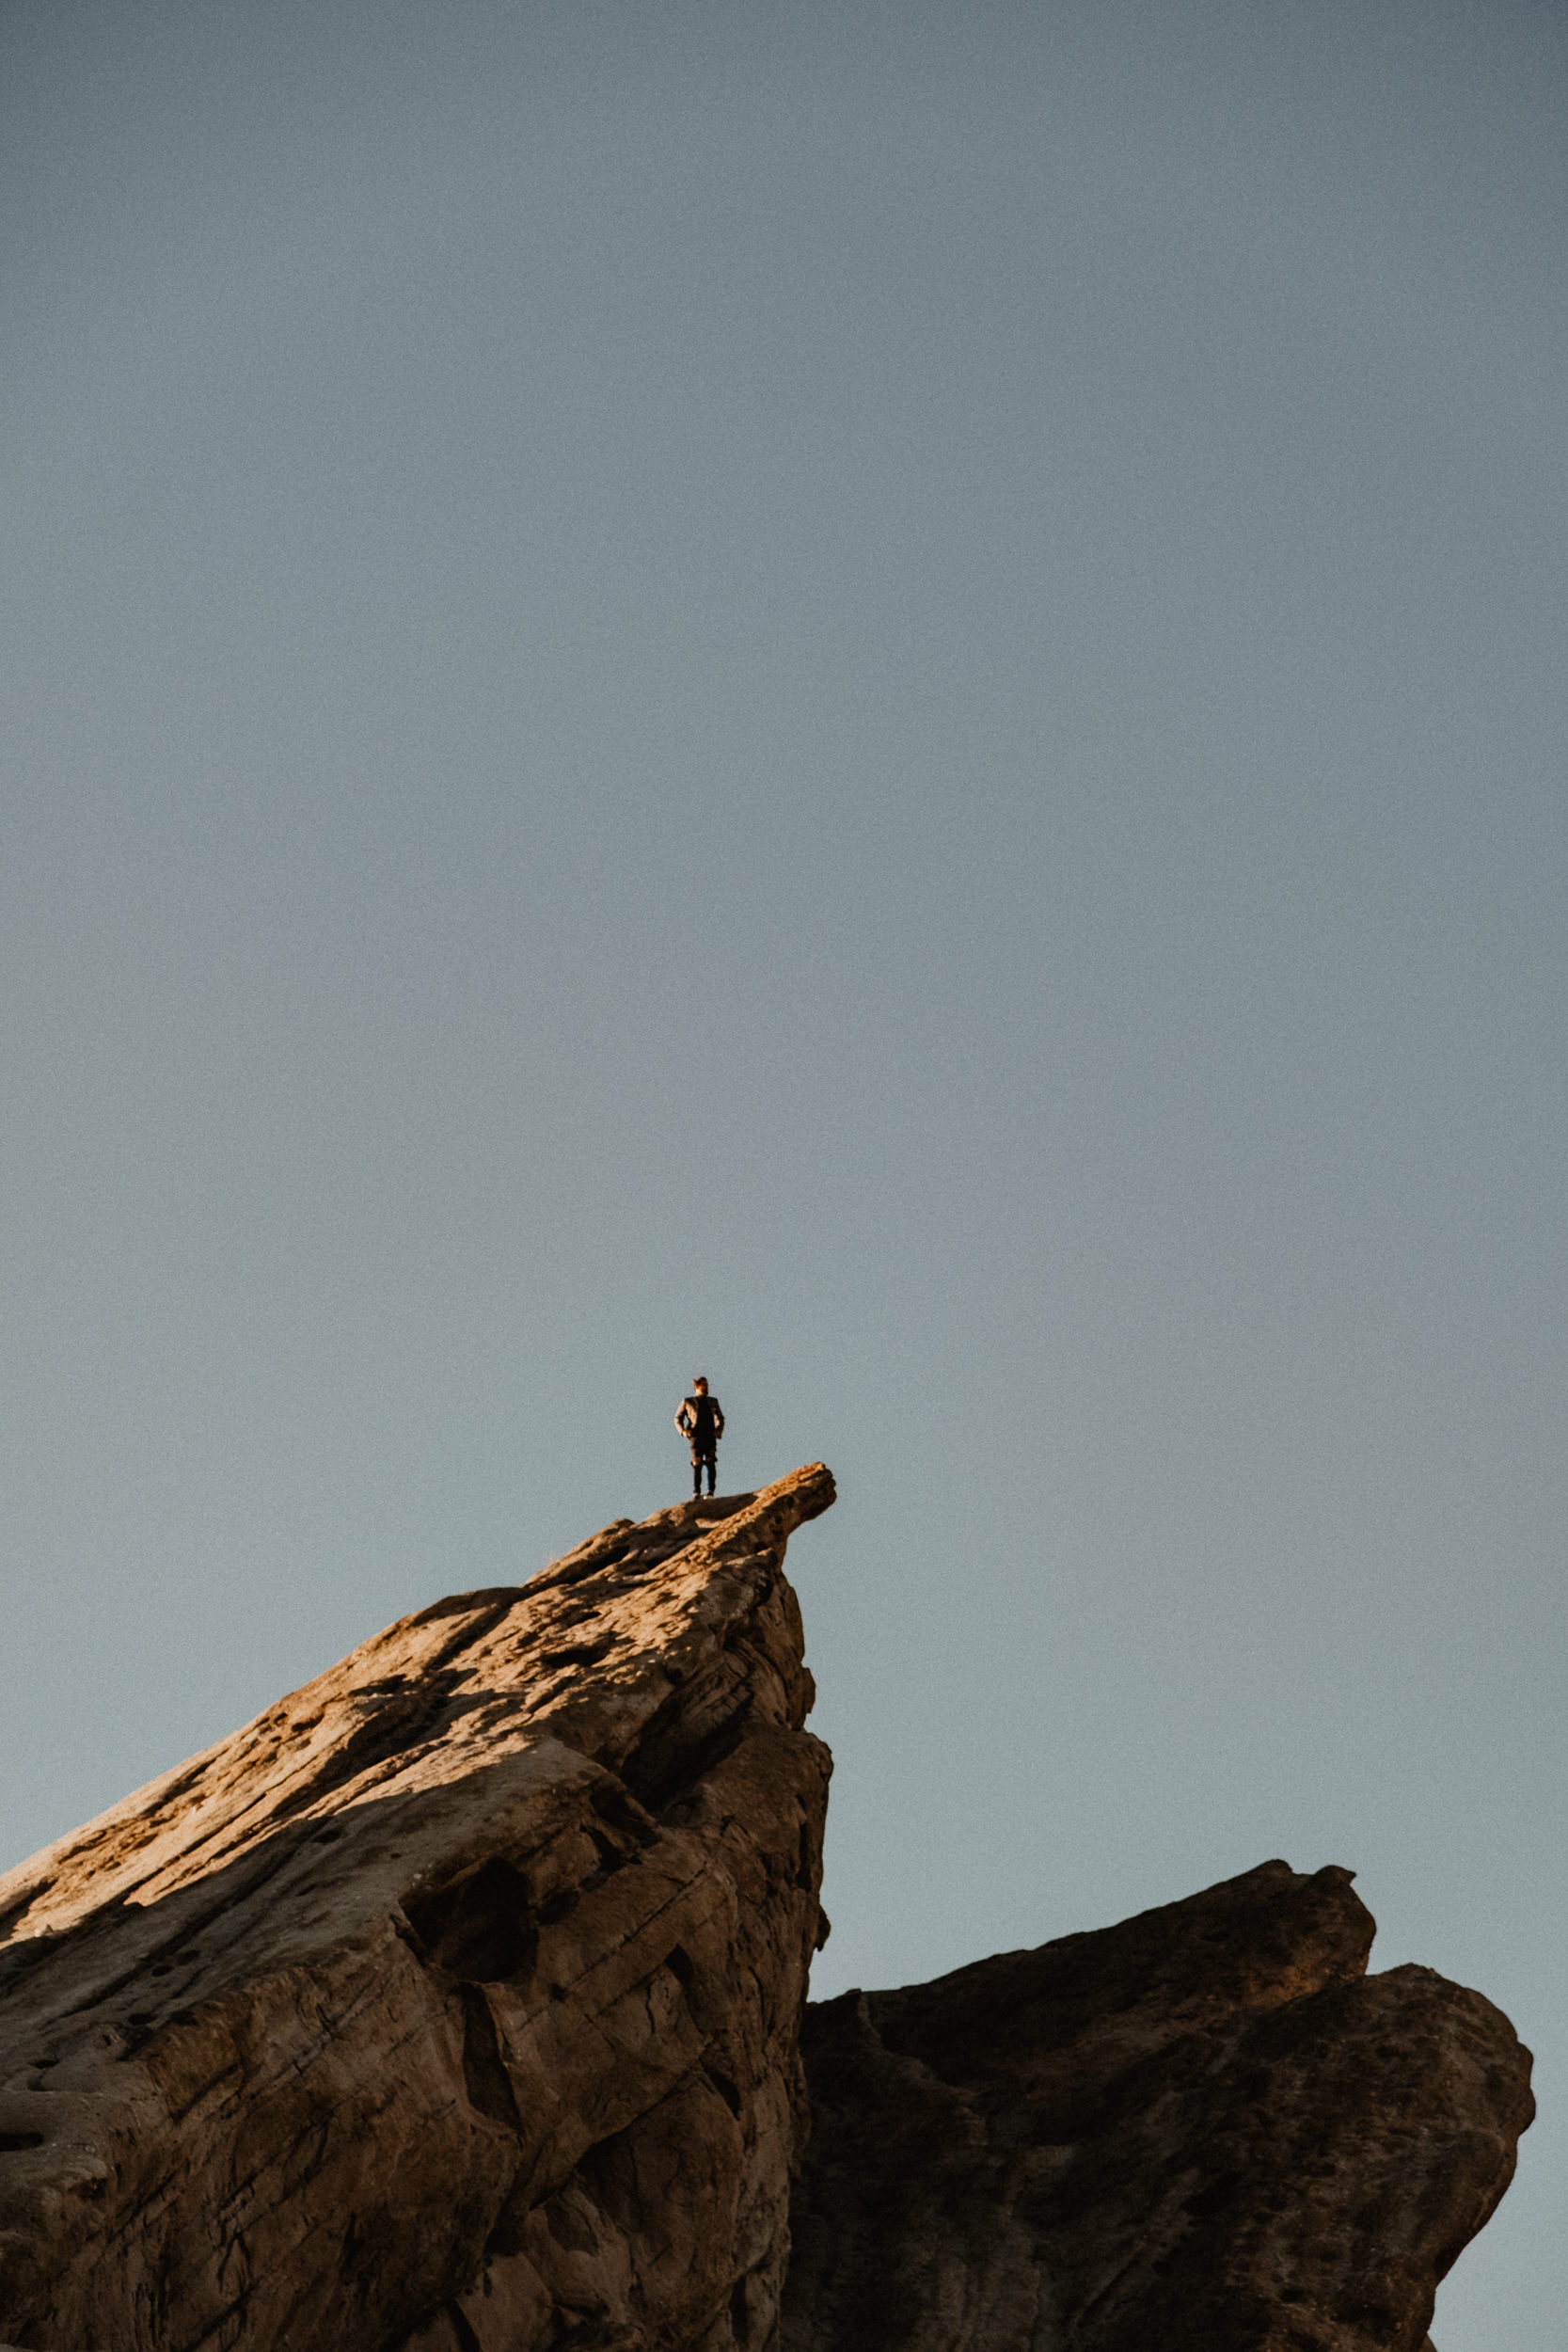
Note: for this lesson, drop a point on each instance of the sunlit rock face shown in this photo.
(1204, 2130)
(454, 2002)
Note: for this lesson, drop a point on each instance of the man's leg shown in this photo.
(696, 1474)
(712, 1472)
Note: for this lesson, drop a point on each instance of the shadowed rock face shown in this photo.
(453, 2002)
(1204, 2130)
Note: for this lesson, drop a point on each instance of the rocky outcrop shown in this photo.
(453, 2005)
(1204, 2130)
(456, 2005)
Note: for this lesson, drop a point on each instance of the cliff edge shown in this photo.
(454, 2002)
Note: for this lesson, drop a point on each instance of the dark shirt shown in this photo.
(702, 1418)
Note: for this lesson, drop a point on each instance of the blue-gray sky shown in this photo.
(869, 699)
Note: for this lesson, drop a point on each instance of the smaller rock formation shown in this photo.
(1204, 2130)
(453, 2005)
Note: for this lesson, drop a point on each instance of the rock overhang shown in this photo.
(532, 1873)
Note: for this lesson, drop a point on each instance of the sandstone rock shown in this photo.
(1204, 2130)
(453, 2002)
(453, 2006)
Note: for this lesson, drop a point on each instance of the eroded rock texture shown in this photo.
(1204, 2130)
(451, 2004)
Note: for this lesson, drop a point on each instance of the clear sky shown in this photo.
(865, 698)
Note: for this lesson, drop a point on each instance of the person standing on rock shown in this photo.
(701, 1419)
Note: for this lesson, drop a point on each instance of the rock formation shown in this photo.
(456, 2005)
(454, 2002)
(1204, 2130)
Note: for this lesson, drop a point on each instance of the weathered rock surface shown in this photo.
(451, 2004)
(456, 2005)
(1204, 2130)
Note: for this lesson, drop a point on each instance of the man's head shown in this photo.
(700, 1385)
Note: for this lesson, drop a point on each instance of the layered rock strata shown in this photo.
(453, 2005)
(1204, 2130)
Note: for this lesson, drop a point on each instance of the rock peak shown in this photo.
(419, 2009)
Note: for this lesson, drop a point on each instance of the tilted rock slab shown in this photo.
(454, 2002)
(1204, 2130)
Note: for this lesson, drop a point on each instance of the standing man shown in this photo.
(702, 1419)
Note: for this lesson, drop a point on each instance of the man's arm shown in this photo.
(718, 1419)
(681, 1422)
